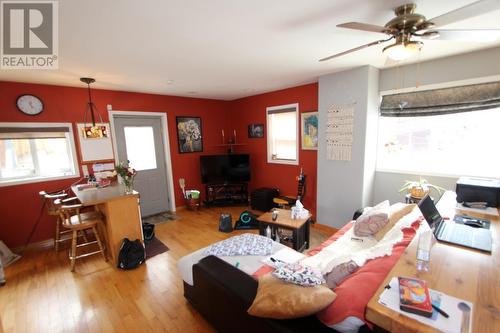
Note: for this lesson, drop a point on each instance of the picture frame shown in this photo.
(256, 131)
(309, 130)
(189, 134)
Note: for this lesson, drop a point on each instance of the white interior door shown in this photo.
(139, 140)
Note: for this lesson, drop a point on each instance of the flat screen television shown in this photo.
(230, 168)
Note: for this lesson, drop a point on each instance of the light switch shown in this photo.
(85, 170)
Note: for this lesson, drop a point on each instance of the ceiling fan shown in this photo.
(408, 29)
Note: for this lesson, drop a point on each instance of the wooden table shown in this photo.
(460, 272)
(300, 227)
(121, 211)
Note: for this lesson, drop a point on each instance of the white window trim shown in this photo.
(297, 119)
(46, 179)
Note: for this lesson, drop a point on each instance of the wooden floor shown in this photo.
(42, 295)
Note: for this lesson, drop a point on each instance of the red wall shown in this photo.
(20, 204)
(252, 110)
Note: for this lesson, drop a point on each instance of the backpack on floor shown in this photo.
(131, 255)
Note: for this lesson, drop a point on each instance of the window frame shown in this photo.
(39, 179)
(297, 138)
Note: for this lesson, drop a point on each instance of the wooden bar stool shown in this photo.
(76, 221)
(53, 210)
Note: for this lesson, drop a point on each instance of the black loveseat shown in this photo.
(222, 294)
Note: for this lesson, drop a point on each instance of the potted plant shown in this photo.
(419, 188)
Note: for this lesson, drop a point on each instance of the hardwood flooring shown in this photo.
(42, 295)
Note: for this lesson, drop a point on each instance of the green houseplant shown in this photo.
(419, 188)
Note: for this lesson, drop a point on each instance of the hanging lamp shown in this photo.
(92, 130)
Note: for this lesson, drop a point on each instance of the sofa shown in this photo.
(222, 294)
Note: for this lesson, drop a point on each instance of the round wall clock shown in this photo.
(29, 104)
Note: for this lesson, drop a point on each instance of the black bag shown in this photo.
(148, 230)
(225, 223)
(131, 254)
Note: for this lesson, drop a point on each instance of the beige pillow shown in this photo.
(280, 300)
(373, 220)
(396, 212)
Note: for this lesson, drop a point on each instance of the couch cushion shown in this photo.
(280, 300)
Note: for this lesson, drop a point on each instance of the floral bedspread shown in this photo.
(242, 245)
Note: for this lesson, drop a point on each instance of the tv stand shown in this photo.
(224, 194)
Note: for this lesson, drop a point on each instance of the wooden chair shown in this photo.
(288, 200)
(53, 210)
(76, 221)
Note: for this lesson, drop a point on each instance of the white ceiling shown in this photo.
(224, 49)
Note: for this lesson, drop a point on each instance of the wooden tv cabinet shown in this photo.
(224, 194)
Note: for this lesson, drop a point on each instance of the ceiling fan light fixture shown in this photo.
(401, 51)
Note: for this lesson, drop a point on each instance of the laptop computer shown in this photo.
(462, 230)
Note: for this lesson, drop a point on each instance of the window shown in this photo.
(31, 152)
(282, 134)
(460, 144)
(140, 145)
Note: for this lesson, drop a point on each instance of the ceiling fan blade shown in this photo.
(363, 27)
(465, 12)
(356, 49)
(472, 35)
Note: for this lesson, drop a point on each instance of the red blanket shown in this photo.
(354, 293)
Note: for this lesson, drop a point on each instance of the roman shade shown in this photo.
(7, 133)
(284, 110)
(442, 101)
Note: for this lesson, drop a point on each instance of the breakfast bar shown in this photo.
(121, 211)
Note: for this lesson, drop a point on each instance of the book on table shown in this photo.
(414, 296)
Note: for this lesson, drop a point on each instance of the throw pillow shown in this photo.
(280, 300)
(299, 274)
(396, 212)
(339, 273)
(371, 221)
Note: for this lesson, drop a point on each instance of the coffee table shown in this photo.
(300, 227)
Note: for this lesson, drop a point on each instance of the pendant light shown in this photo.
(92, 130)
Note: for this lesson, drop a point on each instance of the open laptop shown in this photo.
(462, 230)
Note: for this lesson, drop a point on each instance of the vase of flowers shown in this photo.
(127, 175)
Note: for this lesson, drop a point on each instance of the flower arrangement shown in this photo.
(127, 174)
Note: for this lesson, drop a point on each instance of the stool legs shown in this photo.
(73, 250)
(57, 236)
(99, 243)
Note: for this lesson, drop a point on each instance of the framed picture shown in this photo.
(309, 130)
(189, 136)
(256, 131)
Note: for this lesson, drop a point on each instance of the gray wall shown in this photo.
(344, 186)
(387, 185)
(478, 65)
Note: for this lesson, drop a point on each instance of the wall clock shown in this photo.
(29, 104)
